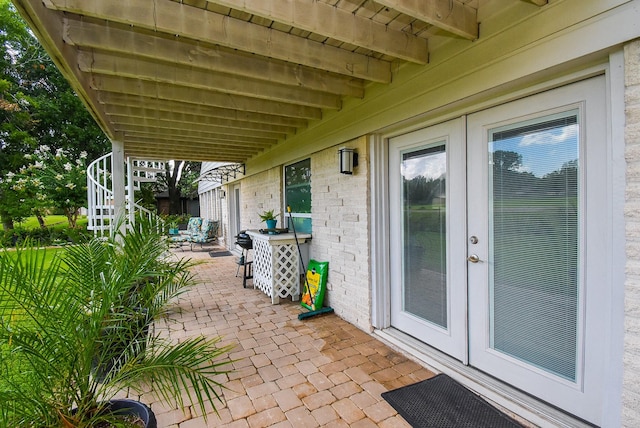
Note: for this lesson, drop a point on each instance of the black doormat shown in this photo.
(441, 402)
(220, 253)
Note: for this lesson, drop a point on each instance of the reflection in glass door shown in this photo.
(427, 239)
(424, 255)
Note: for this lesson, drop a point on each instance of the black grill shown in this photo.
(244, 240)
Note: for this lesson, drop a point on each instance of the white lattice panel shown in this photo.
(286, 278)
(276, 264)
(262, 271)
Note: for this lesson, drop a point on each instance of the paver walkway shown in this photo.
(318, 372)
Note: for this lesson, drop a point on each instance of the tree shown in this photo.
(56, 179)
(179, 180)
(37, 107)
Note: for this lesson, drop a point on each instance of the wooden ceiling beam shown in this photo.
(199, 96)
(160, 72)
(112, 38)
(147, 123)
(182, 154)
(189, 119)
(230, 140)
(129, 103)
(334, 23)
(152, 145)
(178, 19)
(169, 141)
(450, 15)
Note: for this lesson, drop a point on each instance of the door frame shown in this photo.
(510, 398)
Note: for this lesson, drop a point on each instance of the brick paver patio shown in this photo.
(318, 372)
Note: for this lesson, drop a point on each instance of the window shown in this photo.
(297, 191)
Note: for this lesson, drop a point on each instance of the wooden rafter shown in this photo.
(200, 96)
(198, 24)
(160, 72)
(176, 50)
(127, 104)
(192, 119)
(450, 15)
(334, 23)
(165, 125)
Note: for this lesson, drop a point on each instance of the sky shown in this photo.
(542, 152)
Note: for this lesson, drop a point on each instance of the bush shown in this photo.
(44, 237)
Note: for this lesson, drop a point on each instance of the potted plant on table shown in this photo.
(269, 218)
(78, 332)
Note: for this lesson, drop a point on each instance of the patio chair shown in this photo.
(208, 233)
(193, 226)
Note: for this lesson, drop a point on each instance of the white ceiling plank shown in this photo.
(198, 24)
(207, 57)
(160, 72)
(199, 96)
(335, 23)
(450, 15)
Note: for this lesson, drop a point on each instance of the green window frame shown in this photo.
(297, 193)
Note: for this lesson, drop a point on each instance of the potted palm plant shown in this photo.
(269, 218)
(77, 330)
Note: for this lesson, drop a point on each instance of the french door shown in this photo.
(499, 246)
(428, 228)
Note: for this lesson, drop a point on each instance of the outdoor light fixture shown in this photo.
(348, 160)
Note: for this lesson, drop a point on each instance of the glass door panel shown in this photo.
(533, 241)
(427, 236)
(424, 256)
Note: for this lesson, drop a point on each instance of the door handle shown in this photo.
(473, 258)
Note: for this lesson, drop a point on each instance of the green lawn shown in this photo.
(49, 255)
(55, 221)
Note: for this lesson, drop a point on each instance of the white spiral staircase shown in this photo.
(101, 207)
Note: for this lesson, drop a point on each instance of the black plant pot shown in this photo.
(127, 407)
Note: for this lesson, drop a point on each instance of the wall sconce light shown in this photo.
(348, 160)
(221, 193)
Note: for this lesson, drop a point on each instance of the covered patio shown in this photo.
(321, 371)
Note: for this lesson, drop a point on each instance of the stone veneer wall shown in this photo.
(631, 385)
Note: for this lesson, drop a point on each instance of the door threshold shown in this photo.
(522, 407)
